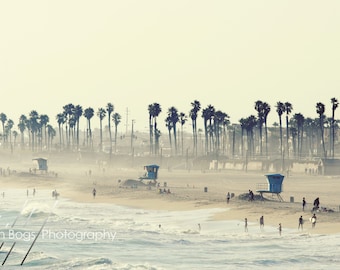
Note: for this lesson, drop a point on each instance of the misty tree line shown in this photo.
(250, 137)
(304, 136)
(41, 133)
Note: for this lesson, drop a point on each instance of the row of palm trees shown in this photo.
(246, 137)
(41, 133)
(220, 137)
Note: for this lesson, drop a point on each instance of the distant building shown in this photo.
(329, 166)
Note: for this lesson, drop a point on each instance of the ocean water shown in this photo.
(106, 236)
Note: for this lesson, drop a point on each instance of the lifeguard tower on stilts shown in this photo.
(273, 186)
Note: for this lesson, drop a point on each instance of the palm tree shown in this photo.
(61, 121)
(68, 111)
(88, 114)
(335, 105)
(101, 114)
(266, 111)
(288, 110)
(110, 109)
(243, 128)
(182, 120)
(154, 111)
(116, 120)
(220, 123)
(34, 127)
(44, 119)
(280, 109)
(196, 106)
(168, 124)
(150, 109)
(250, 123)
(299, 119)
(51, 134)
(311, 126)
(8, 129)
(77, 112)
(22, 127)
(174, 118)
(260, 117)
(208, 114)
(3, 119)
(320, 110)
(15, 135)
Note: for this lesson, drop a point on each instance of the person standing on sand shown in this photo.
(94, 192)
(245, 225)
(313, 220)
(303, 203)
(280, 229)
(261, 222)
(300, 223)
(228, 197)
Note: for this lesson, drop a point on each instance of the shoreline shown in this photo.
(187, 193)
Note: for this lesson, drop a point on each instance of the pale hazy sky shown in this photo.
(133, 53)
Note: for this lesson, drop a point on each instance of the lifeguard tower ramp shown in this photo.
(273, 186)
(151, 172)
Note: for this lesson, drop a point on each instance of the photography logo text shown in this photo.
(65, 235)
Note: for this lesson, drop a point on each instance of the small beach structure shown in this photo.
(273, 186)
(41, 164)
(151, 172)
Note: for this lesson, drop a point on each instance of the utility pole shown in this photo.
(127, 121)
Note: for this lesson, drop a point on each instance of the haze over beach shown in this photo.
(89, 208)
(133, 53)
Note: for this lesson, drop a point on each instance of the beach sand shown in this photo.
(193, 190)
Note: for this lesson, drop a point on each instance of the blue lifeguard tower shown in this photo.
(273, 186)
(151, 172)
(41, 164)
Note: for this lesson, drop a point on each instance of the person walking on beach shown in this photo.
(316, 204)
(300, 223)
(245, 225)
(280, 229)
(228, 197)
(94, 192)
(261, 222)
(303, 203)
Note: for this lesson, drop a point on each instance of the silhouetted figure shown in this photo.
(300, 223)
(303, 203)
(261, 222)
(316, 204)
(280, 229)
(313, 220)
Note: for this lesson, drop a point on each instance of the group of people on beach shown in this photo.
(33, 192)
(300, 226)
